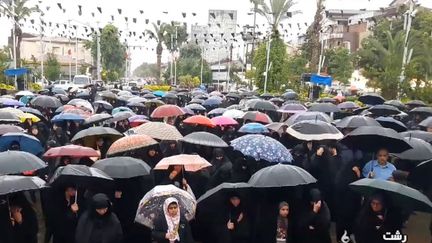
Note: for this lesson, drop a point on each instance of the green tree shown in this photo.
(19, 13)
(381, 56)
(4, 64)
(175, 32)
(158, 33)
(146, 70)
(113, 52)
(189, 82)
(278, 73)
(312, 48)
(275, 11)
(339, 63)
(296, 65)
(189, 63)
(52, 68)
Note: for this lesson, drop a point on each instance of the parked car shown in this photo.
(81, 81)
(63, 84)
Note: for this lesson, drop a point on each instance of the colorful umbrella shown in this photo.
(67, 117)
(159, 130)
(167, 111)
(151, 206)
(74, 151)
(159, 93)
(253, 128)
(224, 121)
(256, 116)
(199, 120)
(30, 116)
(261, 147)
(190, 162)
(130, 143)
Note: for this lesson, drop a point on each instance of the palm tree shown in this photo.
(312, 46)
(158, 33)
(275, 11)
(20, 11)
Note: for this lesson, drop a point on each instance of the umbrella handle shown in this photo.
(76, 196)
(9, 210)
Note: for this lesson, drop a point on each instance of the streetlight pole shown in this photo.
(172, 59)
(76, 51)
(42, 52)
(98, 61)
(202, 64)
(175, 59)
(407, 54)
(267, 63)
(70, 54)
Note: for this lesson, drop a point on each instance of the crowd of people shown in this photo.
(302, 214)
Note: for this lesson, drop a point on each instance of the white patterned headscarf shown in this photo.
(172, 222)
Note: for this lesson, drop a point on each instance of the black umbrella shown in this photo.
(233, 95)
(324, 107)
(17, 162)
(123, 167)
(120, 116)
(62, 97)
(281, 175)
(12, 184)
(390, 122)
(196, 107)
(108, 95)
(420, 151)
(396, 103)
(308, 116)
(400, 195)
(219, 195)
(371, 99)
(80, 176)
(45, 101)
(374, 138)
(421, 175)
(90, 135)
(104, 104)
(327, 100)
(314, 131)
(426, 122)
(32, 111)
(423, 135)
(347, 105)
(384, 110)
(196, 101)
(290, 96)
(262, 105)
(97, 118)
(424, 111)
(353, 122)
(205, 139)
(415, 103)
(266, 96)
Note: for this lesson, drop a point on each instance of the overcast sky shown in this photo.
(168, 10)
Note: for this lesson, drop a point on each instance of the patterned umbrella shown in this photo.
(256, 116)
(167, 111)
(191, 162)
(224, 121)
(130, 143)
(73, 151)
(205, 139)
(151, 206)
(199, 120)
(261, 147)
(159, 130)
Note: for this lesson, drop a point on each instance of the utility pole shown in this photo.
(229, 67)
(70, 53)
(320, 62)
(42, 52)
(267, 63)
(14, 41)
(253, 35)
(76, 51)
(202, 64)
(407, 54)
(172, 59)
(175, 59)
(98, 61)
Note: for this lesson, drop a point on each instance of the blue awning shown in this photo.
(16, 72)
(324, 80)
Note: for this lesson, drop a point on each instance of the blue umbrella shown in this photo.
(159, 93)
(213, 101)
(26, 142)
(67, 117)
(261, 147)
(11, 102)
(26, 99)
(120, 109)
(253, 127)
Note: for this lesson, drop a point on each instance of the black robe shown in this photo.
(314, 227)
(161, 228)
(94, 228)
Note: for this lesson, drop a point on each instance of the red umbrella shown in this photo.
(256, 116)
(200, 120)
(224, 121)
(74, 151)
(167, 111)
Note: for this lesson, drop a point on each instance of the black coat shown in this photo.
(96, 229)
(266, 225)
(26, 232)
(63, 220)
(161, 228)
(314, 227)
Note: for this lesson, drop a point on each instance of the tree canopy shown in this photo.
(52, 68)
(339, 64)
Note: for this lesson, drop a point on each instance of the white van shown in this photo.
(81, 81)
